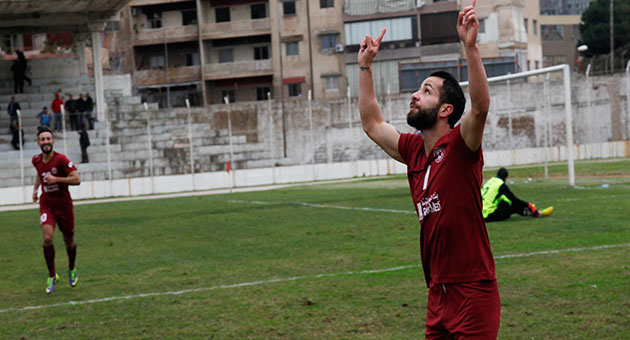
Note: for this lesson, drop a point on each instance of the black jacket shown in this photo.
(84, 139)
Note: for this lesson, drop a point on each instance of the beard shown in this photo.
(44, 150)
(423, 119)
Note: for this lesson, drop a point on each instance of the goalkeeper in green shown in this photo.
(499, 203)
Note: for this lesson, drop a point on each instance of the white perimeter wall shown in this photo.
(304, 173)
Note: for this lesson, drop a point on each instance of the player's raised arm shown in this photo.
(473, 121)
(374, 125)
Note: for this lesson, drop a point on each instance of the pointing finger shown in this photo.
(380, 36)
(474, 3)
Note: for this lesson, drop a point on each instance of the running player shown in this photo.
(54, 173)
(444, 166)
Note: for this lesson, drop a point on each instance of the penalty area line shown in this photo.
(293, 278)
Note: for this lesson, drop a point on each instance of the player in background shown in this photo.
(54, 173)
(499, 203)
(444, 168)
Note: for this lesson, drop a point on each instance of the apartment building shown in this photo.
(206, 50)
(422, 38)
(560, 20)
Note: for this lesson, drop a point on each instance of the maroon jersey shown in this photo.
(59, 166)
(446, 192)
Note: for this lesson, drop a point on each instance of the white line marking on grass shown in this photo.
(316, 205)
(293, 278)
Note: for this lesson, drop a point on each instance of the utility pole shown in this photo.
(612, 39)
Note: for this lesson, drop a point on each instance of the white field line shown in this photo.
(293, 278)
(315, 205)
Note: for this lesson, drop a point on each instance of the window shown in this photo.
(295, 89)
(192, 59)
(155, 21)
(189, 17)
(225, 56)
(156, 61)
(537, 63)
(525, 23)
(288, 7)
(326, 3)
(222, 14)
(292, 48)
(261, 93)
(259, 11)
(529, 65)
(331, 83)
(261, 52)
(482, 25)
(230, 93)
(329, 41)
(434, 31)
(535, 28)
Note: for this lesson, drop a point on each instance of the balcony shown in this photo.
(182, 74)
(170, 34)
(235, 29)
(239, 69)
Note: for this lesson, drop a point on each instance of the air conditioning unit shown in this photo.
(339, 48)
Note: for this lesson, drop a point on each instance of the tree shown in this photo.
(595, 26)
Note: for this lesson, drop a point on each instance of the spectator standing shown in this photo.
(44, 117)
(56, 108)
(84, 141)
(89, 108)
(15, 131)
(71, 108)
(12, 109)
(80, 106)
(19, 73)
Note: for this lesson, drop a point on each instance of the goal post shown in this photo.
(508, 110)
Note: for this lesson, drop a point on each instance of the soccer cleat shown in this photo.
(74, 277)
(50, 283)
(546, 212)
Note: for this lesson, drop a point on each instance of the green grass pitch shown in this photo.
(250, 265)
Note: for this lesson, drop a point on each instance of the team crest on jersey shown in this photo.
(70, 164)
(43, 218)
(438, 153)
(54, 170)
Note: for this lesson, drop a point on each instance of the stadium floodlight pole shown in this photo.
(63, 128)
(310, 122)
(349, 107)
(567, 104)
(229, 111)
(389, 104)
(509, 100)
(19, 114)
(628, 94)
(150, 146)
(190, 141)
(271, 152)
(109, 157)
(589, 88)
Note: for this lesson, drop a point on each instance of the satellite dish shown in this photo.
(582, 48)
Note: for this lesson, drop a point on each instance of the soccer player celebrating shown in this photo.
(444, 167)
(54, 173)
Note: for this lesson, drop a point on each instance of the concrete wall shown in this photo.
(61, 67)
(299, 173)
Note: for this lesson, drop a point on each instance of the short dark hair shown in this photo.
(502, 173)
(451, 93)
(42, 129)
